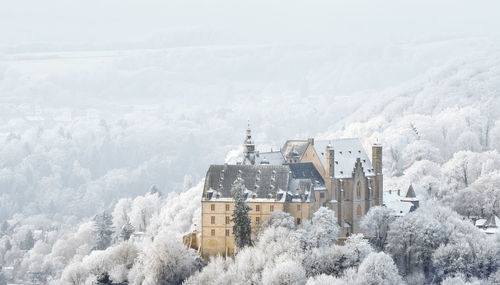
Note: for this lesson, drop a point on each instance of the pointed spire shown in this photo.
(248, 147)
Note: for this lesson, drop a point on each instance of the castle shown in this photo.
(301, 177)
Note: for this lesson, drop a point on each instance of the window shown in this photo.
(257, 220)
(227, 220)
(321, 195)
(212, 220)
(358, 210)
(298, 207)
(212, 232)
(227, 233)
(212, 207)
(298, 221)
(358, 190)
(227, 207)
(271, 208)
(257, 208)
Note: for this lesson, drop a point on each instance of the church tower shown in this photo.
(248, 148)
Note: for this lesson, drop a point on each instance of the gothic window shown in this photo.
(358, 190)
(358, 210)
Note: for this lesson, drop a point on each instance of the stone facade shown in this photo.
(299, 179)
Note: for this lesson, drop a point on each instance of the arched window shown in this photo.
(358, 190)
(358, 210)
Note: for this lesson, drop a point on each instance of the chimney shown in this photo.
(330, 161)
(310, 141)
(399, 192)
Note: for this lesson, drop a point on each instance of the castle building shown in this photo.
(301, 177)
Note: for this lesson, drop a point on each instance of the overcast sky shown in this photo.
(98, 23)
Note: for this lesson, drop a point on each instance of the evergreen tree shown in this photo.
(103, 230)
(127, 230)
(28, 242)
(242, 228)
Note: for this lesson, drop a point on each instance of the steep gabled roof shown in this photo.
(411, 192)
(298, 146)
(346, 151)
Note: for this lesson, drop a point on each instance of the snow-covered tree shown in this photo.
(74, 274)
(126, 231)
(325, 280)
(376, 225)
(284, 273)
(322, 231)
(242, 228)
(277, 219)
(28, 241)
(166, 261)
(103, 230)
(378, 269)
(335, 259)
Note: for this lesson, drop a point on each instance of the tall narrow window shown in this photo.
(321, 195)
(257, 220)
(257, 208)
(212, 232)
(298, 207)
(212, 220)
(358, 190)
(227, 233)
(227, 207)
(227, 220)
(271, 208)
(212, 207)
(298, 221)
(358, 210)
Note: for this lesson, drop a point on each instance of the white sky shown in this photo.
(93, 22)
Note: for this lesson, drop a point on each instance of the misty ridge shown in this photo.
(104, 146)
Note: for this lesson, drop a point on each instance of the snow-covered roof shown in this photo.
(272, 158)
(264, 182)
(395, 202)
(480, 222)
(298, 147)
(346, 151)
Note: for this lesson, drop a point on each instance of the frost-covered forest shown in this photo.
(105, 137)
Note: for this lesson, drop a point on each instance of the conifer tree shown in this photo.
(242, 228)
(127, 230)
(103, 230)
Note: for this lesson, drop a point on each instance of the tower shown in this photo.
(248, 148)
(377, 168)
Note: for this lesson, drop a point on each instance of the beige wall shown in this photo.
(221, 243)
